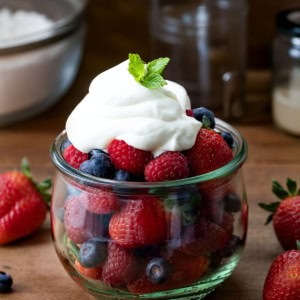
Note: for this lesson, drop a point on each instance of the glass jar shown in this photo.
(194, 229)
(206, 41)
(286, 72)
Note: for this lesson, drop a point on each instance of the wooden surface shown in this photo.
(32, 262)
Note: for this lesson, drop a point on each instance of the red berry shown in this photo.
(283, 279)
(128, 158)
(93, 273)
(140, 222)
(121, 266)
(185, 269)
(167, 166)
(80, 224)
(209, 152)
(286, 222)
(22, 208)
(74, 157)
(100, 202)
(204, 237)
(189, 112)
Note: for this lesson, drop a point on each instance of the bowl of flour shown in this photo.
(41, 45)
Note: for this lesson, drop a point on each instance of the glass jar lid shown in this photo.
(288, 22)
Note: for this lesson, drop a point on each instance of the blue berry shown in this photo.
(65, 144)
(205, 116)
(232, 203)
(93, 253)
(99, 165)
(228, 138)
(158, 270)
(121, 175)
(97, 152)
(5, 282)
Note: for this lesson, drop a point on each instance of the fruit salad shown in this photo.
(149, 196)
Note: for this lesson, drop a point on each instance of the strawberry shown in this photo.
(100, 201)
(93, 273)
(185, 269)
(80, 224)
(128, 158)
(74, 157)
(140, 222)
(121, 267)
(209, 152)
(167, 166)
(283, 279)
(23, 204)
(204, 237)
(285, 214)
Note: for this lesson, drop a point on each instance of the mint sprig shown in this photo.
(148, 74)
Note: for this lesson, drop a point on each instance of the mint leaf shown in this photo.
(149, 75)
(158, 65)
(153, 81)
(136, 67)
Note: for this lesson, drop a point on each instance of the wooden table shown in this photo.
(32, 262)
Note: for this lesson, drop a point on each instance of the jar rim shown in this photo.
(240, 156)
(58, 30)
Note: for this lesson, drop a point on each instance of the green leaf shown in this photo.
(278, 190)
(149, 75)
(158, 65)
(153, 81)
(292, 186)
(270, 207)
(45, 185)
(269, 219)
(206, 122)
(136, 67)
(298, 245)
(25, 168)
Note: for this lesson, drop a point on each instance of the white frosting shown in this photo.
(118, 107)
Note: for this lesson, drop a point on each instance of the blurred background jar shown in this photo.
(286, 72)
(206, 41)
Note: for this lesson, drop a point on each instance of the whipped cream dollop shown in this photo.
(118, 107)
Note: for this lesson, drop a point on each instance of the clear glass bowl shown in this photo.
(37, 69)
(198, 227)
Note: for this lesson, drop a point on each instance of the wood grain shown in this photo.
(273, 154)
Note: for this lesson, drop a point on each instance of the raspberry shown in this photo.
(128, 158)
(74, 157)
(189, 112)
(167, 166)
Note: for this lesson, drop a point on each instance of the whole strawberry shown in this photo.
(285, 214)
(23, 205)
(140, 222)
(209, 152)
(283, 279)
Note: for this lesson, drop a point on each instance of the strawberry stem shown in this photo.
(42, 187)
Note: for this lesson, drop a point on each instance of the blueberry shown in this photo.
(232, 203)
(158, 270)
(93, 253)
(121, 175)
(205, 116)
(96, 152)
(228, 138)
(65, 144)
(5, 282)
(99, 165)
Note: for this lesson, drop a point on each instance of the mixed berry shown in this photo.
(155, 239)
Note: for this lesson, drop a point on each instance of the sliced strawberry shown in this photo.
(93, 273)
(139, 223)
